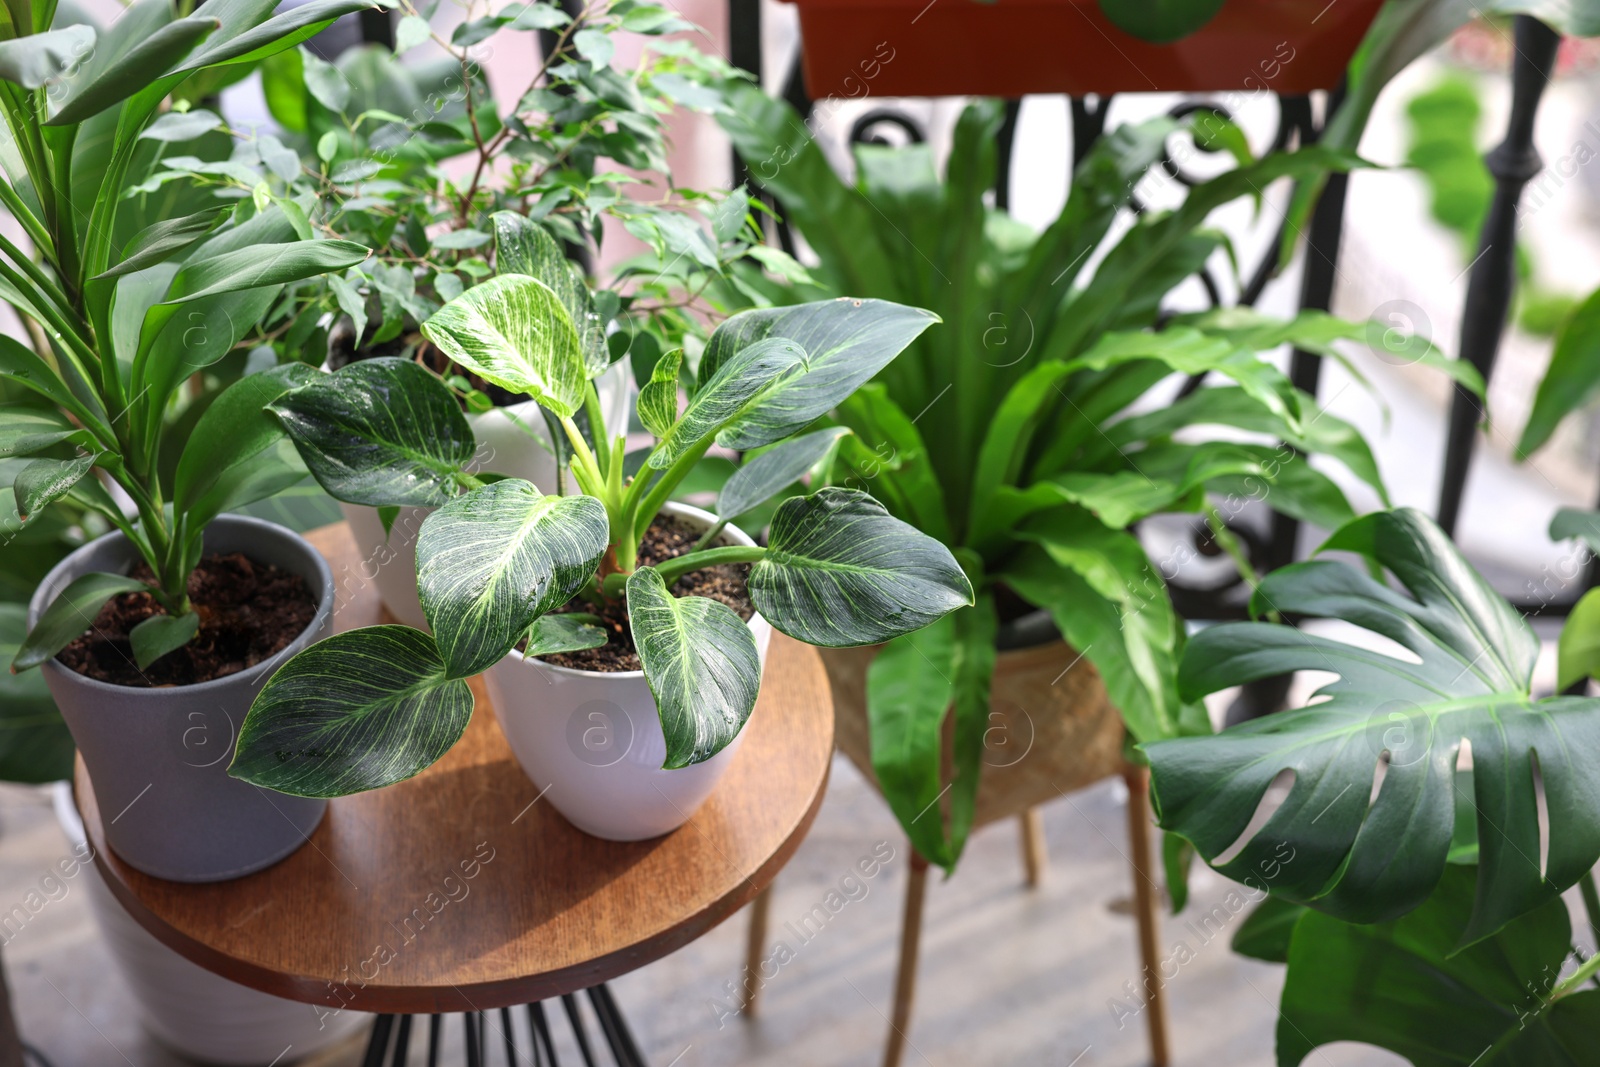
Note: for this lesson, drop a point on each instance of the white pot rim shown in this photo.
(679, 510)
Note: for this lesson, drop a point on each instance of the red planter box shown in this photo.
(1010, 48)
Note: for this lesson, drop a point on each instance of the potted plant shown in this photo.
(374, 133)
(1011, 49)
(1053, 441)
(156, 665)
(499, 559)
(1435, 810)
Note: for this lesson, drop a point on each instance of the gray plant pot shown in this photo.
(159, 758)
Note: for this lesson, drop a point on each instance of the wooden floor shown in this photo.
(1009, 976)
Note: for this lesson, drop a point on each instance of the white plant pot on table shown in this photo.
(512, 441)
(592, 741)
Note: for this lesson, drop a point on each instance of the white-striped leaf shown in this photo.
(846, 341)
(379, 432)
(360, 710)
(513, 331)
(841, 571)
(701, 662)
(567, 632)
(522, 246)
(658, 398)
(729, 392)
(763, 477)
(491, 562)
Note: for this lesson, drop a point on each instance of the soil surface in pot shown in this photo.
(666, 538)
(248, 612)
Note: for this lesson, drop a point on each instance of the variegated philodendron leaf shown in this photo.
(379, 432)
(846, 342)
(513, 331)
(763, 477)
(701, 662)
(522, 246)
(359, 710)
(658, 398)
(567, 632)
(491, 562)
(840, 570)
(741, 378)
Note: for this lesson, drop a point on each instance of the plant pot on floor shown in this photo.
(1011, 48)
(593, 742)
(200, 1015)
(389, 560)
(1052, 727)
(159, 756)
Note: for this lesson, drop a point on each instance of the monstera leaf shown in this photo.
(1404, 987)
(1370, 813)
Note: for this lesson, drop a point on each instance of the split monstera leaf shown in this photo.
(1371, 817)
(374, 706)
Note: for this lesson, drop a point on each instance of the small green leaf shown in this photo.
(1571, 380)
(491, 562)
(701, 662)
(351, 303)
(44, 481)
(1578, 651)
(453, 240)
(360, 710)
(729, 392)
(182, 125)
(412, 31)
(258, 265)
(386, 515)
(841, 571)
(513, 331)
(595, 46)
(161, 634)
(328, 146)
(69, 614)
(567, 632)
(380, 431)
(326, 83)
(728, 219)
(762, 478)
(658, 398)
(1160, 21)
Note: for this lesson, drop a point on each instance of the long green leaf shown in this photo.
(25, 429)
(163, 240)
(161, 634)
(1571, 380)
(40, 59)
(70, 614)
(701, 663)
(45, 481)
(840, 570)
(239, 452)
(379, 432)
(359, 710)
(141, 65)
(763, 477)
(490, 563)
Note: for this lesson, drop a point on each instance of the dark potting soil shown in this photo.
(666, 538)
(248, 612)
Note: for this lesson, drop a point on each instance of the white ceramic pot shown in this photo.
(593, 741)
(511, 441)
(201, 1015)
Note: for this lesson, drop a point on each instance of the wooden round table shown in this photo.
(459, 891)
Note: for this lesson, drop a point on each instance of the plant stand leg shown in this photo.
(905, 981)
(755, 945)
(1146, 910)
(1035, 856)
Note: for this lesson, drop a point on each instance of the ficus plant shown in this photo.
(1066, 407)
(125, 301)
(1436, 808)
(373, 706)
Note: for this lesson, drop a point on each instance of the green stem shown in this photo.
(1569, 984)
(661, 491)
(673, 569)
(30, 222)
(1591, 902)
(1230, 544)
(597, 427)
(711, 534)
(586, 469)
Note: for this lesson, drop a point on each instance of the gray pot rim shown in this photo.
(154, 694)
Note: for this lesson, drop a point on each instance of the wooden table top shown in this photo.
(456, 891)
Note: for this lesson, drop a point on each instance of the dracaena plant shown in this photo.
(114, 289)
(1048, 444)
(1437, 807)
(373, 706)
